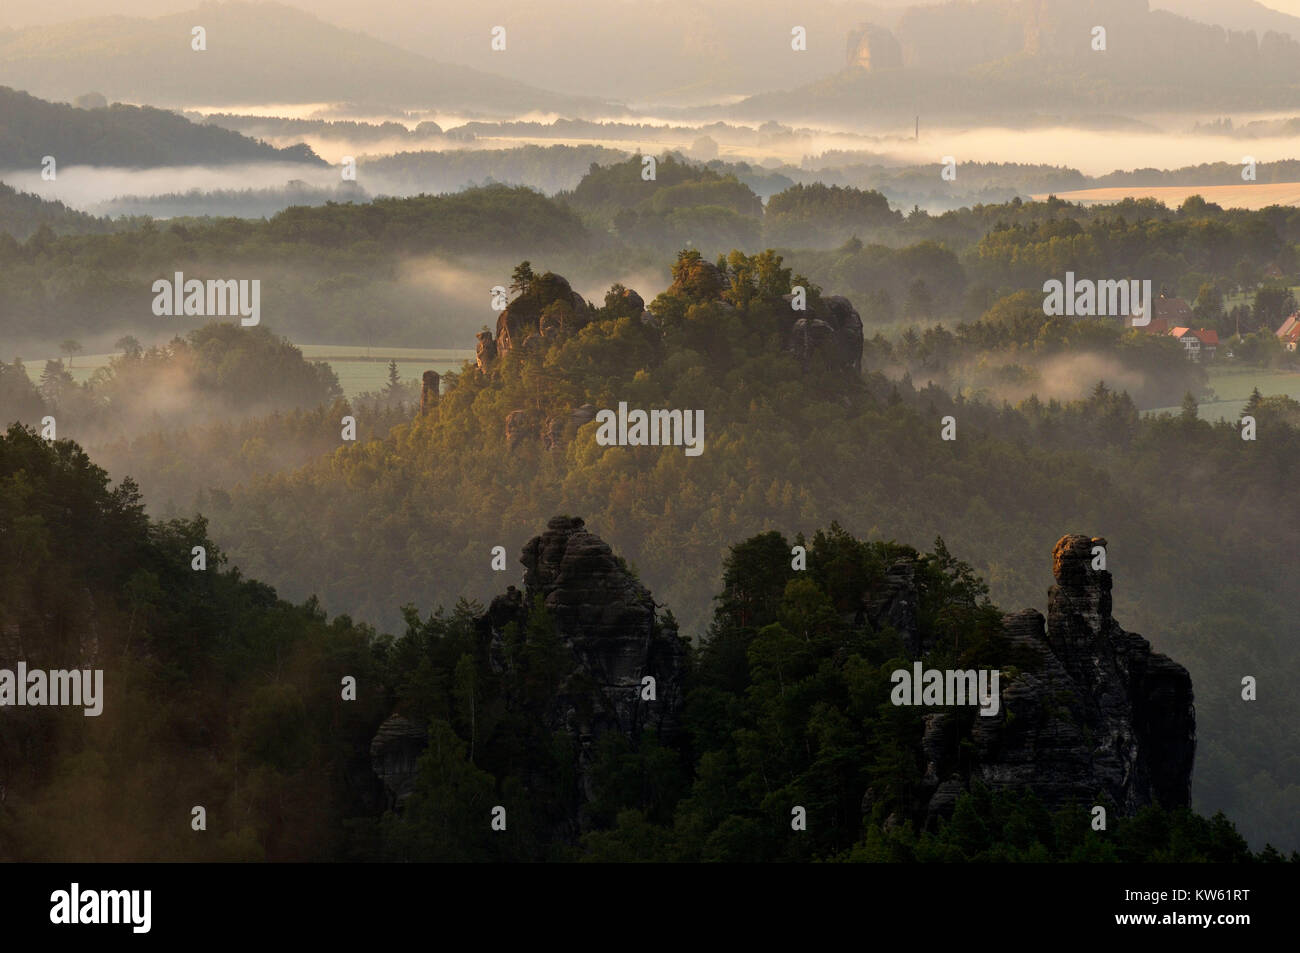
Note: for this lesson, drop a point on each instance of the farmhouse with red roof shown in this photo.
(1289, 332)
(1199, 345)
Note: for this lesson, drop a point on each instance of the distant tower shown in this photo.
(429, 391)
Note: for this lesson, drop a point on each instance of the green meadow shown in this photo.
(1232, 387)
(359, 368)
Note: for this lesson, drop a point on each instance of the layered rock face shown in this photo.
(429, 388)
(615, 639)
(1090, 714)
(486, 351)
(832, 331)
(394, 751)
(872, 47)
(549, 308)
(939, 36)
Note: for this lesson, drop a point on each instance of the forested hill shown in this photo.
(994, 58)
(215, 692)
(254, 52)
(121, 135)
(23, 214)
(361, 270)
(794, 439)
(276, 720)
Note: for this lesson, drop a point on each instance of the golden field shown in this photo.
(1246, 195)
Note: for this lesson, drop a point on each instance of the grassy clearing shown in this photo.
(359, 368)
(356, 377)
(1232, 387)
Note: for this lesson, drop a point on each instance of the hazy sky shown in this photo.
(351, 13)
(354, 14)
(374, 15)
(662, 51)
(675, 51)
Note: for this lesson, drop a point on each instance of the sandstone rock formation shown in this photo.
(831, 330)
(698, 278)
(561, 428)
(825, 337)
(549, 307)
(894, 604)
(625, 302)
(429, 391)
(486, 351)
(614, 637)
(952, 37)
(393, 753)
(872, 47)
(520, 424)
(1090, 714)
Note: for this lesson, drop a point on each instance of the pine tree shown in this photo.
(71, 348)
(55, 381)
(1252, 404)
(521, 279)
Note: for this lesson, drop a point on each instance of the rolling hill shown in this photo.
(255, 53)
(119, 135)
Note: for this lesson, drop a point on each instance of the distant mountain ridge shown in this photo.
(1234, 15)
(255, 53)
(119, 135)
(998, 58)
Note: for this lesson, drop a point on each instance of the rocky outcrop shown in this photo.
(829, 333)
(613, 637)
(1088, 713)
(429, 386)
(846, 321)
(559, 429)
(826, 336)
(620, 668)
(698, 278)
(951, 38)
(548, 307)
(872, 47)
(624, 302)
(893, 603)
(554, 431)
(486, 351)
(520, 425)
(394, 750)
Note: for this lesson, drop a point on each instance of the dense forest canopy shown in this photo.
(348, 271)
(410, 515)
(953, 319)
(222, 695)
(697, 445)
(122, 135)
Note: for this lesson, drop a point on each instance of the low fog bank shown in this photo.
(408, 165)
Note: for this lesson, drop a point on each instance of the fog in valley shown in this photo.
(827, 225)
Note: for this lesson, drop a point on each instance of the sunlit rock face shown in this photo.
(1088, 713)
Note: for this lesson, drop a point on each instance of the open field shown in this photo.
(359, 368)
(1231, 301)
(362, 369)
(1245, 195)
(1232, 387)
